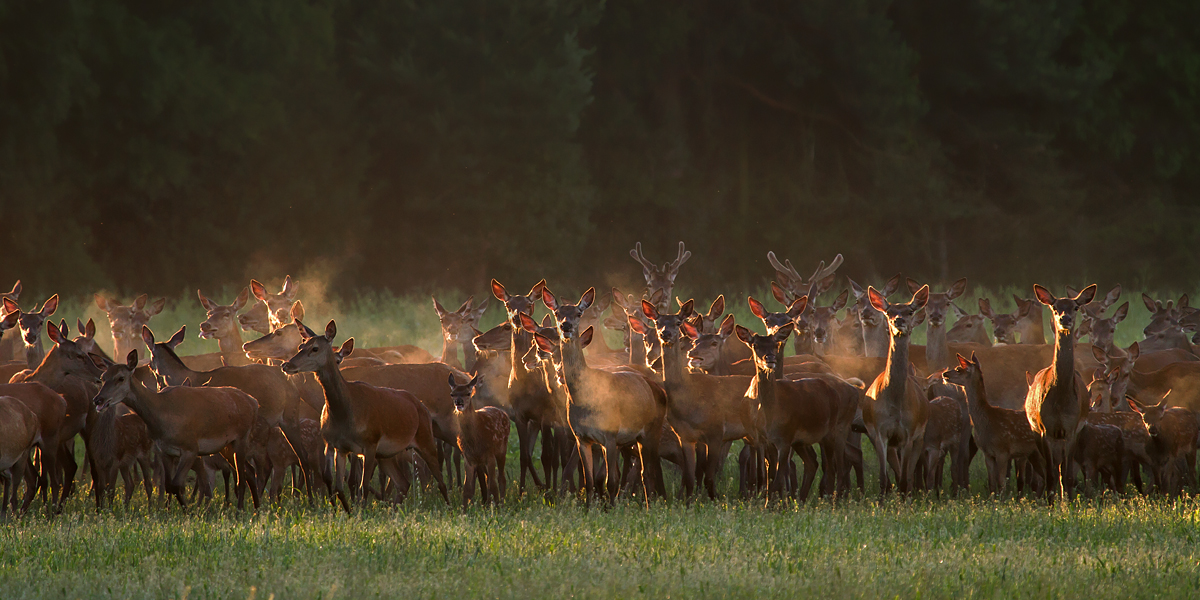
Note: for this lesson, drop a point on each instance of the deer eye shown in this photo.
(314, 348)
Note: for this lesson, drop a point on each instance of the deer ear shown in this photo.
(689, 330)
(9, 321)
(1134, 351)
(178, 337)
(962, 362)
(437, 307)
(105, 304)
(957, 289)
(330, 330)
(498, 291)
(157, 307)
(784, 332)
(649, 310)
(527, 322)
(985, 308)
(1122, 312)
(1028, 379)
(744, 335)
(1043, 295)
(289, 288)
(54, 332)
(131, 360)
(50, 306)
(779, 294)
(636, 326)
(756, 307)
(204, 301)
(586, 300)
(797, 307)
(297, 310)
(585, 338)
(16, 291)
(10, 307)
(1134, 404)
(474, 380)
(548, 298)
(921, 297)
(543, 343)
(547, 321)
(242, 298)
(1086, 296)
(346, 350)
(921, 314)
(305, 332)
(913, 286)
(453, 384)
(687, 309)
(718, 307)
(840, 302)
(147, 336)
(958, 312)
(1100, 355)
(878, 302)
(1151, 303)
(727, 325)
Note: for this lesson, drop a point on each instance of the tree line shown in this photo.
(148, 146)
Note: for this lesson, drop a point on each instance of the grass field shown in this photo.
(971, 547)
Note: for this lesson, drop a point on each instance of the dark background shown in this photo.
(153, 146)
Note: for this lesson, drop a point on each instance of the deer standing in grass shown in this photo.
(220, 323)
(31, 325)
(1003, 434)
(606, 409)
(359, 418)
(482, 433)
(660, 280)
(1057, 397)
(895, 410)
(874, 323)
(20, 431)
(937, 350)
(815, 325)
(187, 423)
(1172, 446)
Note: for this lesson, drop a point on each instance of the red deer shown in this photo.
(220, 323)
(895, 410)
(793, 415)
(482, 433)
(705, 411)
(126, 321)
(1172, 444)
(10, 341)
(187, 423)
(117, 443)
(51, 411)
(874, 323)
(937, 352)
(660, 279)
(1003, 434)
(967, 329)
(31, 325)
(458, 330)
(278, 305)
(1057, 397)
(943, 436)
(19, 433)
(606, 409)
(815, 325)
(1100, 452)
(1182, 378)
(362, 419)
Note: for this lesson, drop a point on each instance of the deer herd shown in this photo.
(1060, 415)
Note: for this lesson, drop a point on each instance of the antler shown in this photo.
(637, 255)
(680, 258)
(792, 279)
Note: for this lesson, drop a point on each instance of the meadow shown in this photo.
(531, 546)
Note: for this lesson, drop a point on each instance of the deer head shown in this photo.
(706, 347)
(1063, 309)
(459, 326)
(277, 305)
(515, 303)
(221, 319)
(567, 316)
(32, 323)
(14, 294)
(966, 374)
(126, 321)
(73, 358)
(116, 384)
(1004, 326)
(278, 344)
(317, 352)
(967, 328)
(766, 348)
(463, 393)
(666, 325)
(1152, 414)
(791, 281)
(935, 309)
(901, 318)
(660, 279)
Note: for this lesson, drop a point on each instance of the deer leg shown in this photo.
(549, 455)
(503, 478)
(689, 469)
(424, 445)
(570, 466)
(493, 484)
(881, 453)
(585, 463)
(809, 457)
(468, 490)
(854, 459)
(175, 481)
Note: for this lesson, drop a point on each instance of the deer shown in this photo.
(220, 323)
(87, 340)
(705, 411)
(644, 351)
(31, 325)
(51, 411)
(792, 285)
(793, 415)
(660, 279)
(20, 432)
(1057, 397)
(187, 423)
(1005, 325)
(72, 373)
(1182, 379)
(967, 329)
(117, 443)
(10, 344)
(256, 319)
(532, 402)
(1162, 314)
(278, 305)
(126, 321)
(1100, 452)
(1172, 446)
(944, 437)
(937, 350)
(605, 409)
(457, 330)
(482, 433)
(874, 324)
(1002, 434)
(895, 411)
(1135, 439)
(360, 418)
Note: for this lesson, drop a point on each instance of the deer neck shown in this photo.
(49, 371)
(230, 343)
(337, 393)
(977, 404)
(450, 353)
(805, 345)
(574, 365)
(674, 365)
(172, 368)
(1064, 357)
(762, 385)
(34, 353)
(468, 350)
(897, 367)
(522, 341)
(149, 405)
(937, 353)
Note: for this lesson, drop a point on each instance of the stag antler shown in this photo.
(794, 282)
